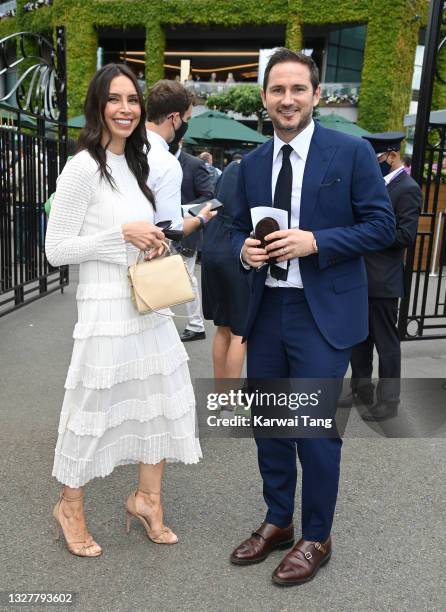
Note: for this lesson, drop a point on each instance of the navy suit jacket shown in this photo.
(197, 186)
(345, 203)
(385, 269)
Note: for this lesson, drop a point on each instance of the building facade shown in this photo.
(365, 49)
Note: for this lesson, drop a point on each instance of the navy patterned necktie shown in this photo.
(282, 199)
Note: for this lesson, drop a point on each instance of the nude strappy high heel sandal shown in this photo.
(158, 538)
(80, 548)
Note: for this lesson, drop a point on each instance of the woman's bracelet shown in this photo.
(201, 220)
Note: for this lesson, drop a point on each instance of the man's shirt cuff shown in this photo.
(244, 264)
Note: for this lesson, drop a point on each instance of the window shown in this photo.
(345, 55)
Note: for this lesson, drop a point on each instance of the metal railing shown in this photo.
(33, 137)
(331, 93)
(423, 309)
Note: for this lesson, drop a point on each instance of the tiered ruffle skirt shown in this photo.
(129, 396)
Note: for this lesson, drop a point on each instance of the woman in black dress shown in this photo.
(224, 287)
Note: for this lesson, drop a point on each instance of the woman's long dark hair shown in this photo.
(136, 146)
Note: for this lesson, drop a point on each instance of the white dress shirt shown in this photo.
(389, 177)
(298, 157)
(165, 177)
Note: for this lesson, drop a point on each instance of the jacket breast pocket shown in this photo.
(347, 282)
(331, 182)
(331, 195)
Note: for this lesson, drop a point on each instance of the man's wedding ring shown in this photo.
(284, 250)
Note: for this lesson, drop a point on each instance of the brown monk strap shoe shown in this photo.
(302, 563)
(264, 540)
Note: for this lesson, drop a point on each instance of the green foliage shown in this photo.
(219, 101)
(388, 65)
(337, 11)
(8, 26)
(155, 45)
(389, 53)
(439, 92)
(294, 35)
(243, 99)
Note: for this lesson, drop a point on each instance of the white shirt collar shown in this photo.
(300, 143)
(154, 137)
(390, 176)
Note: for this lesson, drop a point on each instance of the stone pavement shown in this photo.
(388, 535)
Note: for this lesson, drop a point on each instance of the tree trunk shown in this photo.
(260, 123)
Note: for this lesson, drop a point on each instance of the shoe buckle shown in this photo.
(308, 555)
(318, 546)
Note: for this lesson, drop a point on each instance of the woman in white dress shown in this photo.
(129, 397)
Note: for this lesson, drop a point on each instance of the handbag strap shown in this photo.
(163, 314)
(142, 253)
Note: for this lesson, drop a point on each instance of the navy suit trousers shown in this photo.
(286, 343)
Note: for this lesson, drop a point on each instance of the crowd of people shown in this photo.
(36, 4)
(27, 8)
(7, 14)
(299, 295)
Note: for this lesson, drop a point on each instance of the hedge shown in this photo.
(392, 31)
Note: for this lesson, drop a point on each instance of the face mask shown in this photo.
(173, 147)
(179, 133)
(385, 167)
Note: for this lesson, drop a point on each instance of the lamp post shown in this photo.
(426, 88)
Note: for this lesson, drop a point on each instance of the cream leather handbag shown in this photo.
(160, 283)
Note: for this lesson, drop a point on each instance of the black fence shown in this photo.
(33, 140)
(423, 310)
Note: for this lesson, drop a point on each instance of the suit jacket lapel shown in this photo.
(319, 156)
(264, 173)
(395, 182)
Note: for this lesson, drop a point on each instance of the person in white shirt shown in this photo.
(169, 108)
(305, 315)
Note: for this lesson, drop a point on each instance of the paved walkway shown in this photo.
(389, 532)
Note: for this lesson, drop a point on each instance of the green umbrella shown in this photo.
(213, 125)
(25, 120)
(341, 124)
(77, 122)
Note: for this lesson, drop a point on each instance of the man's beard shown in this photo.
(304, 121)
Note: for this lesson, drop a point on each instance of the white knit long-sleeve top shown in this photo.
(87, 214)
(128, 398)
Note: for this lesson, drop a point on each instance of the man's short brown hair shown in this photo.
(282, 55)
(167, 97)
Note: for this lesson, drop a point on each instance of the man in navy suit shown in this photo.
(303, 320)
(385, 274)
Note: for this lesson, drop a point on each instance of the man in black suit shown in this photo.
(385, 272)
(197, 186)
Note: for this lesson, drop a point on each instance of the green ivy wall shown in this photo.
(392, 31)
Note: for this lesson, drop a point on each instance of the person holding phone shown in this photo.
(129, 398)
(169, 108)
(196, 187)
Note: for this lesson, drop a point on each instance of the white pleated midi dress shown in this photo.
(128, 393)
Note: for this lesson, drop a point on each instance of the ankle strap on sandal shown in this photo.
(147, 492)
(73, 499)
